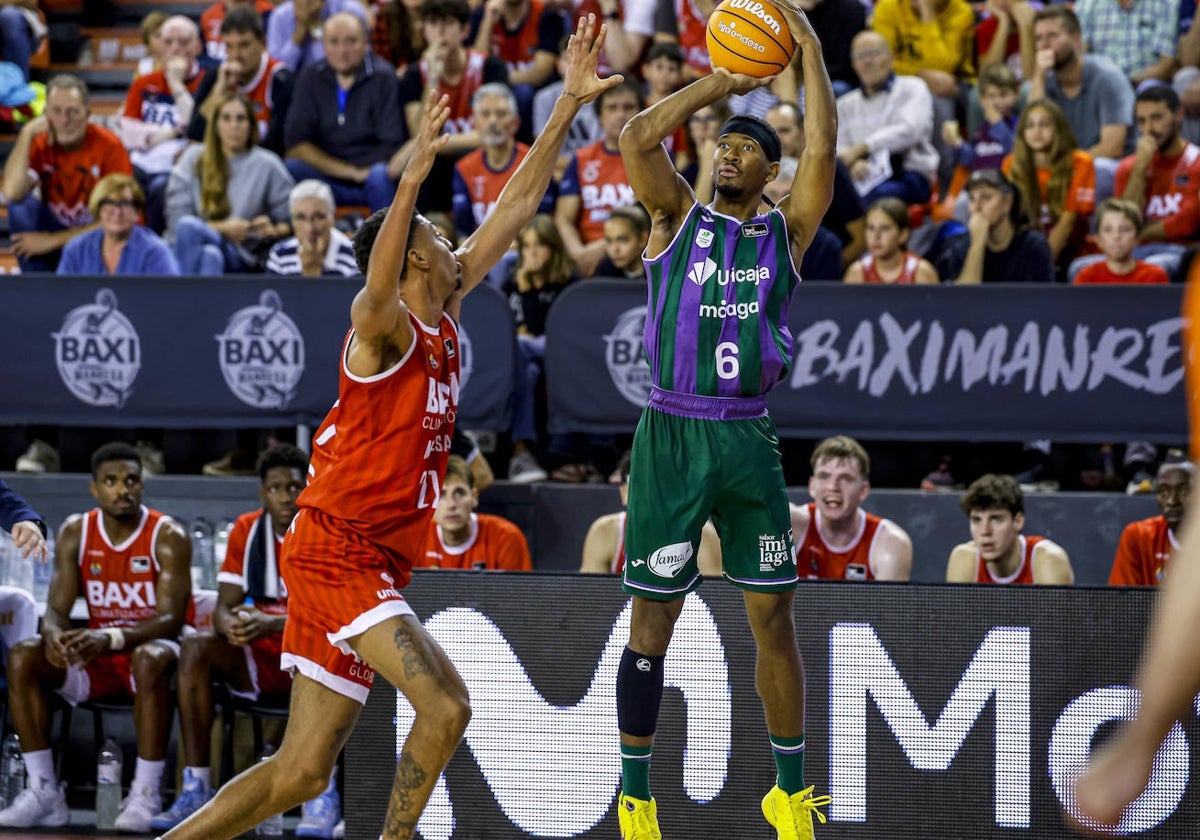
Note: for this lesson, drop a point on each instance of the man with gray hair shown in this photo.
(317, 248)
(480, 175)
(157, 110)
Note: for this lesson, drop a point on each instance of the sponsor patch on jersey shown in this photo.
(139, 564)
(754, 229)
(856, 571)
(433, 362)
(449, 342)
(704, 238)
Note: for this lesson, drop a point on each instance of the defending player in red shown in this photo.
(838, 540)
(998, 552)
(132, 565)
(375, 479)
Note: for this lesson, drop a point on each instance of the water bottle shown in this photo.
(12, 769)
(220, 544)
(108, 785)
(41, 574)
(271, 826)
(202, 555)
(8, 551)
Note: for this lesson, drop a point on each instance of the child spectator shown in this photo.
(626, 232)
(887, 260)
(119, 245)
(216, 227)
(151, 30)
(317, 248)
(1118, 226)
(663, 72)
(542, 271)
(1056, 180)
(998, 91)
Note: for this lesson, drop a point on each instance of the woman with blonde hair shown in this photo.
(121, 245)
(1056, 179)
(227, 199)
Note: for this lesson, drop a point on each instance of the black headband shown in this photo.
(758, 131)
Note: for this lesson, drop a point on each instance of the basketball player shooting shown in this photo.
(377, 466)
(717, 340)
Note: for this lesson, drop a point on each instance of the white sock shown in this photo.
(149, 773)
(204, 774)
(39, 764)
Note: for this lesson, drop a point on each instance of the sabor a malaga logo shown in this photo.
(98, 352)
(261, 354)
(625, 356)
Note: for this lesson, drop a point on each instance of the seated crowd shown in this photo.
(138, 646)
(1004, 141)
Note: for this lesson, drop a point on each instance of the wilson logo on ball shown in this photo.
(749, 37)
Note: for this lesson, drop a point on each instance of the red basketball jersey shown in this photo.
(494, 543)
(258, 91)
(119, 580)
(598, 177)
(517, 49)
(908, 274)
(484, 183)
(1143, 553)
(233, 567)
(818, 560)
(1172, 184)
(461, 118)
(692, 26)
(379, 456)
(1024, 572)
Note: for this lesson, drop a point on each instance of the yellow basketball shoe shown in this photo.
(792, 815)
(638, 819)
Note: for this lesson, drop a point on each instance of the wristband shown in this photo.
(116, 637)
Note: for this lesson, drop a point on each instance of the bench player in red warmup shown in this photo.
(376, 474)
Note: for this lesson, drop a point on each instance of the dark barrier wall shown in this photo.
(213, 352)
(923, 363)
(555, 517)
(933, 711)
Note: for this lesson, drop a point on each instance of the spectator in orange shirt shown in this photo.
(1055, 178)
(1118, 226)
(459, 538)
(1162, 178)
(65, 156)
(1147, 545)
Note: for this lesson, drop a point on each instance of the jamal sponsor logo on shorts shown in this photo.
(669, 559)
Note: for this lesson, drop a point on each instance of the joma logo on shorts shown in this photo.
(668, 560)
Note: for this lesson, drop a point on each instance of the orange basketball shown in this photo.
(750, 37)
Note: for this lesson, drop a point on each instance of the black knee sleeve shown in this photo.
(639, 693)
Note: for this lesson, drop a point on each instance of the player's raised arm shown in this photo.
(813, 188)
(377, 310)
(661, 190)
(518, 202)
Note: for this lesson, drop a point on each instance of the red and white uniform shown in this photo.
(494, 543)
(258, 91)
(483, 183)
(1024, 573)
(1171, 192)
(817, 559)
(598, 177)
(692, 27)
(461, 119)
(908, 274)
(262, 655)
(67, 177)
(1145, 550)
(119, 584)
(151, 101)
(375, 479)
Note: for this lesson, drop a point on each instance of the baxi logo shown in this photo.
(261, 354)
(625, 356)
(701, 271)
(98, 352)
(695, 666)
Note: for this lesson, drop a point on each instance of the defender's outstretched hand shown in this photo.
(429, 137)
(582, 57)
